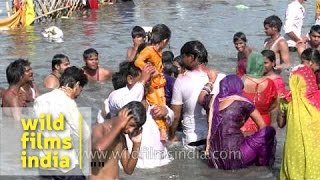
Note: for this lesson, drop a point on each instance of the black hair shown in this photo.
(197, 49)
(138, 31)
(88, 53)
(307, 54)
(57, 60)
(167, 56)
(159, 33)
(179, 60)
(315, 56)
(138, 111)
(273, 21)
(170, 68)
(16, 70)
(269, 54)
(119, 80)
(315, 28)
(71, 76)
(239, 36)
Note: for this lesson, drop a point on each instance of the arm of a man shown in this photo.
(284, 53)
(129, 161)
(176, 106)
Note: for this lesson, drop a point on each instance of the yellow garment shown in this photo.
(301, 158)
(155, 95)
(29, 13)
(12, 21)
(318, 6)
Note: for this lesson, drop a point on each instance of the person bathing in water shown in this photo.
(109, 138)
(92, 69)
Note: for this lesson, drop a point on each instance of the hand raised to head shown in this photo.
(124, 117)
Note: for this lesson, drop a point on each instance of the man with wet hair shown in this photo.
(312, 41)
(92, 69)
(185, 94)
(59, 62)
(62, 101)
(109, 139)
(275, 42)
(18, 73)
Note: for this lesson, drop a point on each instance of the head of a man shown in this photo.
(75, 79)
(193, 54)
(138, 35)
(91, 59)
(60, 62)
(314, 36)
(19, 71)
(272, 25)
(138, 112)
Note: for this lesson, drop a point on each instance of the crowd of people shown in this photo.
(226, 116)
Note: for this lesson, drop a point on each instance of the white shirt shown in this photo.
(120, 97)
(55, 103)
(293, 21)
(153, 153)
(186, 90)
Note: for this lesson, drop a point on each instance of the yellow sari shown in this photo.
(301, 158)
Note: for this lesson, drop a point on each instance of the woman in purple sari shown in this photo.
(227, 148)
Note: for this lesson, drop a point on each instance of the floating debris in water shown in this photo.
(242, 7)
(53, 34)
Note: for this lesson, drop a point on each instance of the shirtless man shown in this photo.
(312, 41)
(138, 37)
(109, 140)
(59, 62)
(276, 43)
(92, 69)
(18, 74)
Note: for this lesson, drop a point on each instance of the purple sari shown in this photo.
(229, 149)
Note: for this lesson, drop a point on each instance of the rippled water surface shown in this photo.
(213, 22)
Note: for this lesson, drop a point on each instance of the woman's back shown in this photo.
(263, 93)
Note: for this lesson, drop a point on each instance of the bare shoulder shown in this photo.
(106, 73)
(283, 43)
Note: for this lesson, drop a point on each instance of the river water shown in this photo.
(213, 22)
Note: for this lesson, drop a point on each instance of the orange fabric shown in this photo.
(157, 97)
(150, 55)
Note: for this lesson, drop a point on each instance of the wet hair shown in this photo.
(57, 60)
(133, 70)
(119, 80)
(273, 21)
(315, 56)
(141, 47)
(197, 49)
(269, 54)
(138, 111)
(71, 76)
(170, 69)
(167, 56)
(310, 54)
(138, 31)
(306, 54)
(16, 70)
(179, 60)
(89, 52)
(315, 28)
(159, 33)
(239, 36)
